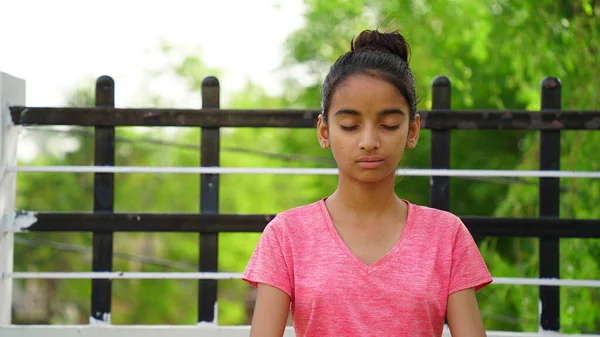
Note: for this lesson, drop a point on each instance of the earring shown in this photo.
(324, 144)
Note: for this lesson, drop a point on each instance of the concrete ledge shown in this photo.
(181, 331)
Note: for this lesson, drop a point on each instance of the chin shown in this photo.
(372, 179)
(373, 176)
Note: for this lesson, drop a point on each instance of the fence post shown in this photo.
(549, 206)
(12, 92)
(440, 145)
(209, 203)
(102, 249)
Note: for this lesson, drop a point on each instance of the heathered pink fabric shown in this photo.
(335, 294)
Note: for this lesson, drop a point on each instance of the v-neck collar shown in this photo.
(363, 266)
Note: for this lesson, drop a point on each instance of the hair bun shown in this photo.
(390, 42)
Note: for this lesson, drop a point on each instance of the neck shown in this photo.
(368, 199)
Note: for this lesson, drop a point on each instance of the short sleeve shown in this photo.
(468, 268)
(268, 263)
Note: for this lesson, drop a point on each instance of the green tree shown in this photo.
(495, 56)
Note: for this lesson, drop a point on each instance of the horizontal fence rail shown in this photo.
(215, 223)
(435, 119)
(304, 171)
(238, 276)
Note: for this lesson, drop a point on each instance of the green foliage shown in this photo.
(495, 53)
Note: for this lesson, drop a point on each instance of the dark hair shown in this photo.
(384, 55)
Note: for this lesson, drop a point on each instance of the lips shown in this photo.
(370, 159)
(370, 162)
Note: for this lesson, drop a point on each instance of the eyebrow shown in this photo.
(381, 113)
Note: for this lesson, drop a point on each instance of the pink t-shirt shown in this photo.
(334, 293)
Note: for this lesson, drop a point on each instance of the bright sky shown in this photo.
(55, 44)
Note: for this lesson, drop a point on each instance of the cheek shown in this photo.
(338, 140)
(398, 139)
(338, 150)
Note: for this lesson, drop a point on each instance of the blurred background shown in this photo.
(272, 54)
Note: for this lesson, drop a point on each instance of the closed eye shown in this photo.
(387, 127)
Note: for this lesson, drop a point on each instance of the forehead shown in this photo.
(367, 94)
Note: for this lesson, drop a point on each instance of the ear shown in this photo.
(414, 129)
(322, 132)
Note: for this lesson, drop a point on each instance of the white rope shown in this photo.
(125, 275)
(232, 276)
(303, 171)
(547, 282)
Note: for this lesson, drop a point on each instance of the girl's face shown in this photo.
(368, 128)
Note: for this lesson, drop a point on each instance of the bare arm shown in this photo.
(270, 312)
(464, 319)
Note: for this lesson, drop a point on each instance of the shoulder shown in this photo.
(434, 216)
(435, 221)
(298, 220)
(302, 212)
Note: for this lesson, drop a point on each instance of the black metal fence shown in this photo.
(103, 222)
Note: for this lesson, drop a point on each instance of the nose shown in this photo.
(369, 140)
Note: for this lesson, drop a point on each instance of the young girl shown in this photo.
(363, 262)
